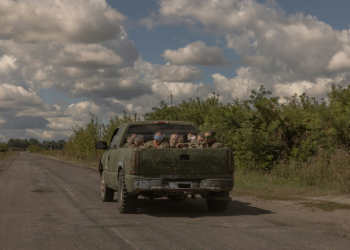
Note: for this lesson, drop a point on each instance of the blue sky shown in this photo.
(105, 57)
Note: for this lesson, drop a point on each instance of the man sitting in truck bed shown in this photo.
(198, 143)
(138, 142)
(158, 141)
(192, 136)
(129, 141)
(210, 141)
(174, 140)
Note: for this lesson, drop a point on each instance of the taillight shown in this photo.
(133, 163)
(161, 122)
(231, 168)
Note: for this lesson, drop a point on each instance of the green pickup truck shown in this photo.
(164, 172)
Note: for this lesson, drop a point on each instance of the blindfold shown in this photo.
(159, 137)
(191, 137)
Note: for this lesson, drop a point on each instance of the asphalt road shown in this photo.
(48, 204)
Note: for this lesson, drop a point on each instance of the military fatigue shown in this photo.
(196, 144)
(129, 141)
(151, 144)
(128, 144)
(134, 146)
(212, 145)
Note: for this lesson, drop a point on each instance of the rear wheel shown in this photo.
(218, 203)
(107, 194)
(127, 203)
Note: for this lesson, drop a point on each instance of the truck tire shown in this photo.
(217, 205)
(218, 202)
(127, 203)
(107, 194)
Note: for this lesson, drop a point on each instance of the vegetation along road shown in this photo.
(48, 204)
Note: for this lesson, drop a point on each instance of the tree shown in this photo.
(114, 122)
(3, 147)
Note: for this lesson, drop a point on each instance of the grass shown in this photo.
(328, 206)
(272, 187)
(323, 175)
(7, 155)
(91, 162)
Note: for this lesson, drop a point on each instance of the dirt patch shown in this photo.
(295, 213)
(326, 205)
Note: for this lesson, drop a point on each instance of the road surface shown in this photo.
(49, 204)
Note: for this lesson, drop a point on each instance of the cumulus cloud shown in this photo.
(196, 53)
(87, 56)
(76, 21)
(173, 73)
(7, 64)
(16, 98)
(82, 50)
(277, 49)
(76, 47)
(340, 61)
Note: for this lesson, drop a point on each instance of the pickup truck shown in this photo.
(174, 173)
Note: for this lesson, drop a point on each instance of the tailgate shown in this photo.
(174, 161)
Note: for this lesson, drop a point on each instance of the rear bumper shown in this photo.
(177, 186)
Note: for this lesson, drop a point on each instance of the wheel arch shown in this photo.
(120, 167)
(100, 166)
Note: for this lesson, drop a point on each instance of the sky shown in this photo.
(61, 60)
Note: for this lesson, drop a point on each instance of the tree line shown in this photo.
(24, 144)
(263, 130)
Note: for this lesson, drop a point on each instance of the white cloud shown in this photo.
(237, 87)
(78, 21)
(340, 61)
(88, 56)
(16, 97)
(196, 53)
(94, 70)
(82, 50)
(173, 73)
(278, 49)
(7, 64)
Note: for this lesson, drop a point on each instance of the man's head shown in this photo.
(181, 139)
(174, 140)
(159, 137)
(209, 136)
(201, 138)
(130, 139)
(138, 140)
(191, 136)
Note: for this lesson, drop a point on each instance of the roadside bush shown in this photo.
(34, 148)
(3, 147)
(323, 170)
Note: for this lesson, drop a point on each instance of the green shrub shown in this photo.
(3, 147)
(34, 148)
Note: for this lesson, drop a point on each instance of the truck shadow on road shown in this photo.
(194, 208)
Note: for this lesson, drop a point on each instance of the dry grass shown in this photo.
(271, 187)
(322, 175)
(328, 206)
(91, 162)
(7, 155)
